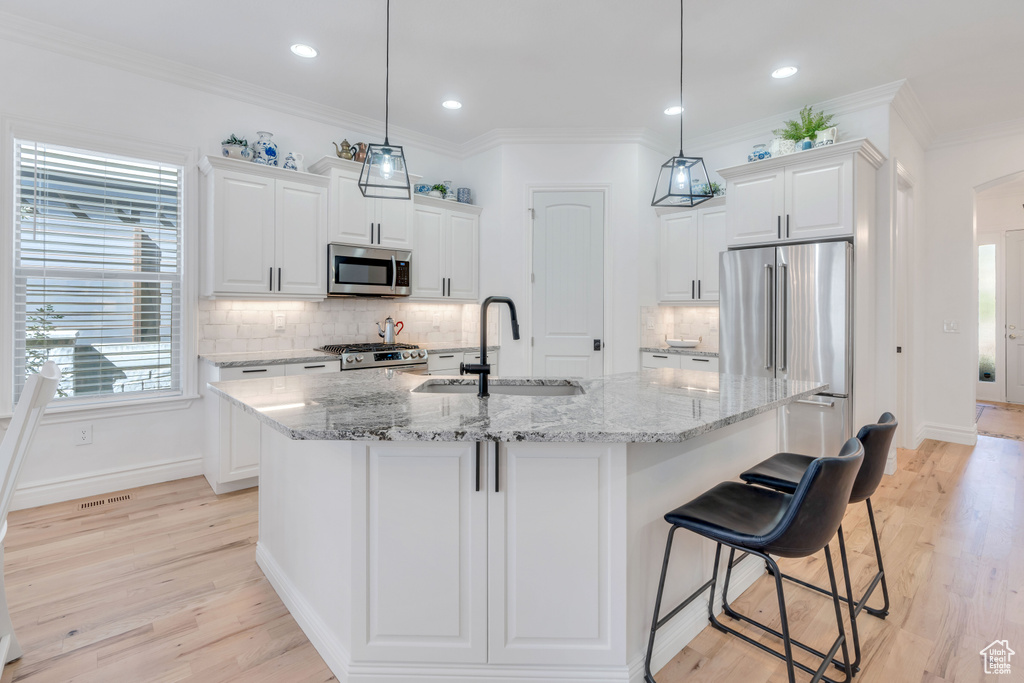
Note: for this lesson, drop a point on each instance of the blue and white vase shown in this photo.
(760, 152)
(265, 149)
(237, 152)
(804, 144)
(464, 195)
(293, 162)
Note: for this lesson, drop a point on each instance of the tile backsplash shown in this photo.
(679, 322)
(236, 326)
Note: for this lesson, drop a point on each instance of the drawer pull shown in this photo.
(817, 404)
(260, 370)
(313, 367)
(451, 356)
(654, 355)
(700, 360)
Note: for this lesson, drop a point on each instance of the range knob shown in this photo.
(405, 354)
(423, 354)
(359, 359)
(349, 359)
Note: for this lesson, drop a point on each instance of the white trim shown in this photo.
(890, 464)
(563, 136)
(901, 248)
(105, 481)
(909, 109)
(947, 433)
(861, 147)
(688, 624)
(979, 134)
(606, 191)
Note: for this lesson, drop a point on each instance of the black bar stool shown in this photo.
(783, 471)
(764, 523)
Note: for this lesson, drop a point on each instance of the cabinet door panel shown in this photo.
(677, 257)
(819, 198)
(555, 556)
(756, 204)
(463, 256)
(659, 360)
(351, 212)
(240, 443)
(712, 243)
(243, 226)
(395, 218)
(428, 253)
(301, 248)
(424, 553)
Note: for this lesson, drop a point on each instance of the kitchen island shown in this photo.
(436, 536)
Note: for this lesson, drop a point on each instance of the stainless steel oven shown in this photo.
(354, 270)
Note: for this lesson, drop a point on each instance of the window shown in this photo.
(987, 313)
(97, 272)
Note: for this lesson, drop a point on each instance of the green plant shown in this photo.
(807, 127)
(440, 188)
(235, 140)
(37, 339)
(717, 190)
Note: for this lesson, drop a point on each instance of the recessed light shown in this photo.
(674, 111)
(451, 104)
(784, 72)
(304, 50)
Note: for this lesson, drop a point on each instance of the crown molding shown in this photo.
(562, 136)
(861, 147)
(980, 134)
(44, 37)
(909, 109)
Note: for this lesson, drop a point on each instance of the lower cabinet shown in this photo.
(682, 361)
(502, 556)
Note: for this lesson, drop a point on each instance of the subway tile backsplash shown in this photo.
(679, 322)
(237, 326)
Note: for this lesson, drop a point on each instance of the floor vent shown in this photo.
(104, 501)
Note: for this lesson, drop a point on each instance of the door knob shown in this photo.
(1013, 336)
(1012, 327)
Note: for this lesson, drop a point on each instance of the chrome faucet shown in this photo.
(483, 369)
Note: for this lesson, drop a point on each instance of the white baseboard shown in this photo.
(340, 664)
(686, 625)
(231, 486)
(948, 433)
(34, 494)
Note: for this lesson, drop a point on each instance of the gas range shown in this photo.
(376, 355)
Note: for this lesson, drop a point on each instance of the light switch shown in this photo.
(951, 326)
(279, 322)
(650, 322)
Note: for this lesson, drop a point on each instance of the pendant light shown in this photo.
(384, 174)
(683, 180)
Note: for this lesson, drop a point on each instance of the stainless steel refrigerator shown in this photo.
(787, 312)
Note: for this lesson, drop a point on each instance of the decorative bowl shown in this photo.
(760, 152)
(237, 152)
(683, 343)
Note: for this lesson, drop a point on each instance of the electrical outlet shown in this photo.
(437, 320)
(279, 322)
(650, 322)
(83, 434)
(951, 326)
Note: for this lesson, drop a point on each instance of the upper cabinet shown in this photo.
(354, 219)
(264, 231)
(689, 244)
(803, 196)
(446, 258)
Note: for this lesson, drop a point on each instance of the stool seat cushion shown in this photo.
(733, 512)
(781, 472)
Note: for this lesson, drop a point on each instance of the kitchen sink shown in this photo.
(497, 386)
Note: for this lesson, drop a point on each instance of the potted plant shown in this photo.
(438, 190)
(804, 131)
(236, 148)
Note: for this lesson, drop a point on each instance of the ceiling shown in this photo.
(581, 63)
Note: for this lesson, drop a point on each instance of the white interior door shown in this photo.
(568, 284)
(1014, 316)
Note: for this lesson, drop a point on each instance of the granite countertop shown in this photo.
(250, 358)
(679, 350)
(663, 405)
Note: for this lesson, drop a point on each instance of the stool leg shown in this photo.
(648, 676)
(849, 603)
(785, 620)
(839, 622)
(725, 586)
(884, 612)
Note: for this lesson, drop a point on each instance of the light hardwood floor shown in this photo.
(1004, 420)
(165, 587)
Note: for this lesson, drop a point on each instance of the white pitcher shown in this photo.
(825, 137)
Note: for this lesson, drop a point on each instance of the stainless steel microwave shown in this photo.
(354, 270)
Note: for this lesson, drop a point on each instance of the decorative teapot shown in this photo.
(345, 151)
(389, 332)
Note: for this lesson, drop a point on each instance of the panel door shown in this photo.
(756, 203)
(423, 557)
(351, 213)
(568, 287)
(301, 245)
(428, 255)
(243, 225)
(819, 199)
(677, 257)
(557, 555)
(1015, 316)
(712, 239)
(395, 220)
(463, 256)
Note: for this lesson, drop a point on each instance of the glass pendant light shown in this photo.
(384, 174)
(683, 180)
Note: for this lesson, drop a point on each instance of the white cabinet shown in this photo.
(446, 258)
(444, 363)
(804, 196)
(354, 219)
(264, 231)
(690, 241)
(314, 368)
(458, 561)
(679, 361)
(705, 363)
(659, 360)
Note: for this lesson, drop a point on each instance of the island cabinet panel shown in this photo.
(423, 596)
(557, 555)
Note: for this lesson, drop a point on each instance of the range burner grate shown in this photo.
(364, 348)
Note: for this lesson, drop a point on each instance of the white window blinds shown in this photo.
(97, 272)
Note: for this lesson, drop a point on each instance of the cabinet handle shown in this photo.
(700, 360)
(394, 268)
(476, 470)
(698, 289)
(693, 290)
(371, 233)
(817, 404)
(654, 355)
(313, 367)
(449, 286)
(271, 278)
(496, 456)
(787, 226)
(780, 226)
(769, 312)
(451, 356)
(260, 370)
(279, 279)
